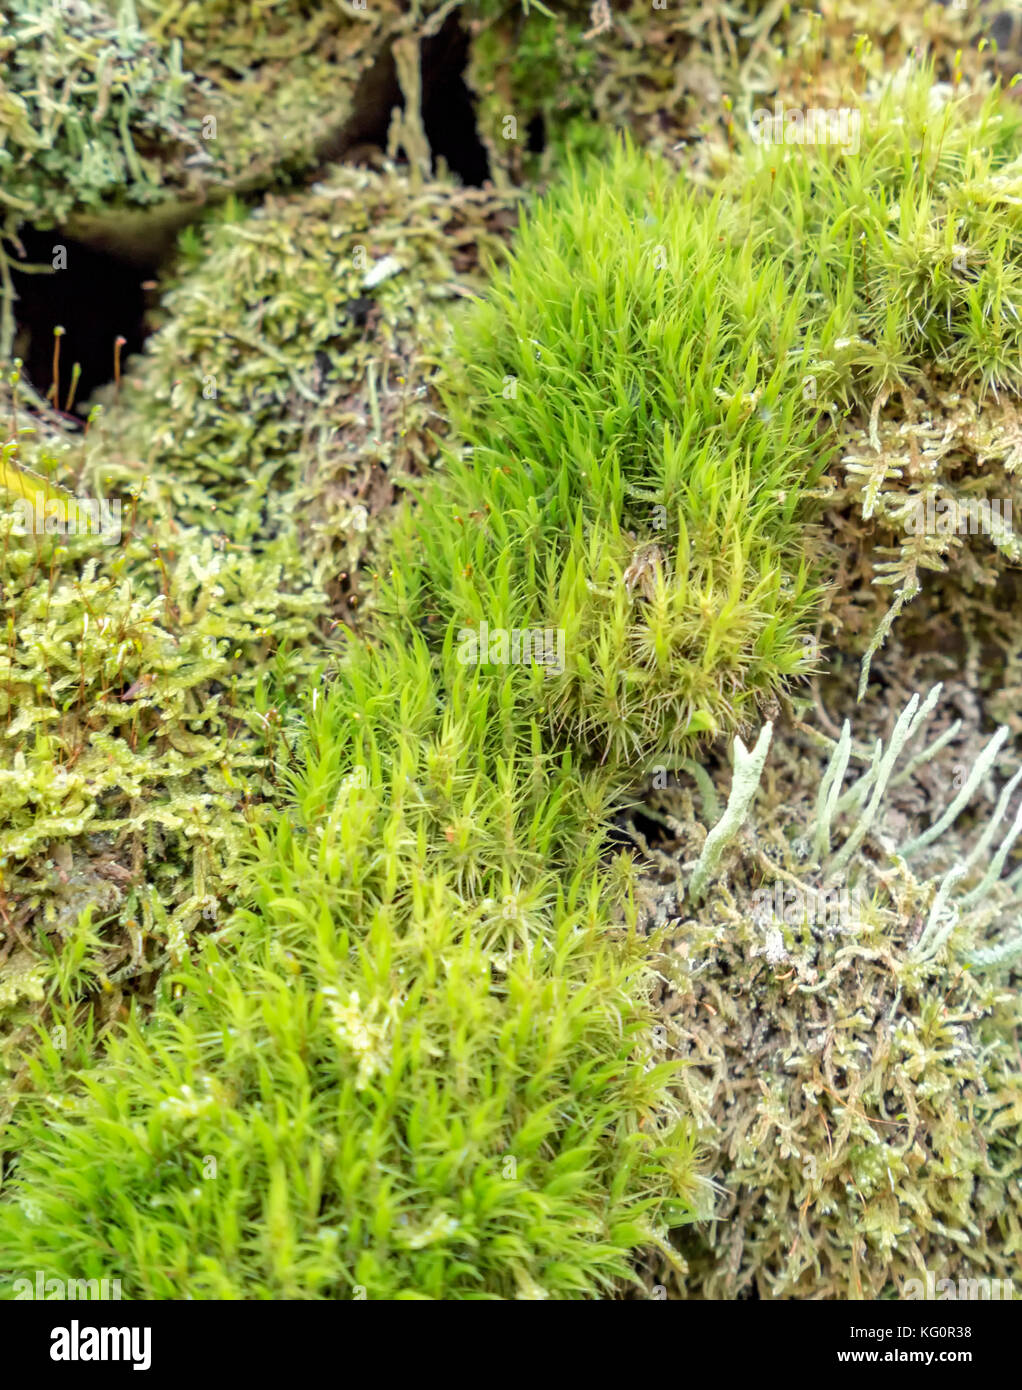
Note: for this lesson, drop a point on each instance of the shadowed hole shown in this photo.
(94, 296)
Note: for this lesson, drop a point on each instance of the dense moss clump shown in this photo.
(146, 676)
(132, 736)
(640, 461)
(845, 1004)
(60, 154)
(906, 233)
(435, 943)
(414, 1068)
(289, 394)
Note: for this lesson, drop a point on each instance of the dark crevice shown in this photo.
(375, 97)
(95, 296)
(448, 110)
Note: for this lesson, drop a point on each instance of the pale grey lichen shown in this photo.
(748, 770)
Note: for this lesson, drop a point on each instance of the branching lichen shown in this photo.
(851, 1054)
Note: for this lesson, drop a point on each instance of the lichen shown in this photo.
(851, 1059)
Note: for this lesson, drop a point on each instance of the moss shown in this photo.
(120, 121)
(914, 269)
(852, 1057)
(307, 395)
(433, 943)
(572, 78)
(145, 684)
(59, 154)
(431, 965)
(130, 744)
(413, 1068)
(572, 81)
(637, 470)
